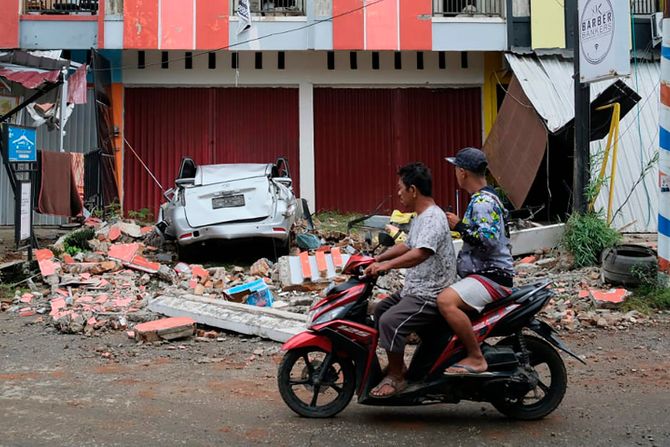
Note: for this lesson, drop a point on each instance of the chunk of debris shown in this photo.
(165, 329)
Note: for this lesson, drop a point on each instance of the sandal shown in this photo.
(466, 371)
(397, 385)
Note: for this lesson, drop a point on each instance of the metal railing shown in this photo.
(273, 7)
(469, 8)
(645, 7)
(60, 7)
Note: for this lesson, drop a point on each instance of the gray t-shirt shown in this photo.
(430, 230)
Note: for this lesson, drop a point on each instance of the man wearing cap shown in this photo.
(484, 263)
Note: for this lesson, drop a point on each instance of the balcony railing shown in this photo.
(469, 8)
(87, 7)
(274, 7)
(645, 7)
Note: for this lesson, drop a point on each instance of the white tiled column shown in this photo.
(307, 166)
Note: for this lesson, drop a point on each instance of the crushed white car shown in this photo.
(229, 201)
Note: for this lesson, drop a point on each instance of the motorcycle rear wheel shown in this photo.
(542, 356)
(306, 394)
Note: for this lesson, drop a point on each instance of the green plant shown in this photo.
(144, 215)
(586, 236)
(77, 241)
(653, 292)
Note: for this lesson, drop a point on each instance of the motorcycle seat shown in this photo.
(517, 293)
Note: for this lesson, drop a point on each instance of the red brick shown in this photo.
(114, 233)
(165, 328)
(124, 252)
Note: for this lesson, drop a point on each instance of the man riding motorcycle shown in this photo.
(429, 258)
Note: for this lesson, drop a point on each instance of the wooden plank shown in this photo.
(348, 25)
(211, 24)
(140, 24)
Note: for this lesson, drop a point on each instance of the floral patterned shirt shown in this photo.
(486, 248)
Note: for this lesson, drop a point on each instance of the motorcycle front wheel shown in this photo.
(552, 382)
(316, 384)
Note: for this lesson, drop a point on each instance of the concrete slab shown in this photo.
(264, 322)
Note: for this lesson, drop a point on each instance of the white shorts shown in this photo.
(475, 294)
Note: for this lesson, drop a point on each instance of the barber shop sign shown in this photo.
(604, 27)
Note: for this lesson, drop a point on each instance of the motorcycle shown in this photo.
(324, 366)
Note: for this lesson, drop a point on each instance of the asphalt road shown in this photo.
(65, 390)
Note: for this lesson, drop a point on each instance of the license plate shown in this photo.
(228, 201)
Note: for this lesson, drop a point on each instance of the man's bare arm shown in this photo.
(393, 252)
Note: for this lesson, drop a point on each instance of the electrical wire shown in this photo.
(243, 42)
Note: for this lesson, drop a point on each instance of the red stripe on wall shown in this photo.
(212, 25)
(348, 25)
(381, 20)
(9, 24)
(416, 30)
(140, 24)
(101, 24)
(177, 24)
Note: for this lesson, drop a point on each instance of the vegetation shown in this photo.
(333, 220)
(652, 294)
(143, 216)
(78, 241)
(586, 236)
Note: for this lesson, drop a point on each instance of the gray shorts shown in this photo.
(477, 291)
(396, 317)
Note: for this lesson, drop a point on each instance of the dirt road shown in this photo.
(70, 390)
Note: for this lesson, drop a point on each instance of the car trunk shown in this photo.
(230, 201)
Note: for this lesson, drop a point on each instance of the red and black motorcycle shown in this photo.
(336, 356)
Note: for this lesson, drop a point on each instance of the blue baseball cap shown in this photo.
(470, 159)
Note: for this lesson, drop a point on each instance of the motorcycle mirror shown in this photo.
(386, 240)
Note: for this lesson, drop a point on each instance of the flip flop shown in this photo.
(397, 385)
(468, 371)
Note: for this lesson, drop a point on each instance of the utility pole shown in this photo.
(582, 155)
(664, 154)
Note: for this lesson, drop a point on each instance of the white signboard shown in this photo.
(604, 36)
(24, 211)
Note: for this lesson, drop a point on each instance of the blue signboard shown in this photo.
(21, 144)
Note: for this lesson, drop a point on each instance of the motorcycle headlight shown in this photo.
(333, 314)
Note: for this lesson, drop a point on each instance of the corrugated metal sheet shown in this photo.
(81, 136)
(257, 125)
(362, 136)
(223, 125)
(547, 82)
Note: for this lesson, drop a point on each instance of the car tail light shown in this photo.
(186, 235)
(279, 229)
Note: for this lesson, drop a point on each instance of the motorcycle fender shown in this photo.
(547, 332)
(308, 340)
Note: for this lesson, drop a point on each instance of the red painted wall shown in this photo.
(140, 24)
(381, 21)
(416, 28)
(9, 24)
(348, 25)
(177, 25)
(211, 21)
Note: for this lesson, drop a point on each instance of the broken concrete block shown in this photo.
(528, 260)
(130, 229)
(609, 298)
(124, 252)
(198, 271)
(261, 267)
(165, 329)
(114, 233)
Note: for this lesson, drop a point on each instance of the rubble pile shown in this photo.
(583, 299)
(104, 276)
(104, 285)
